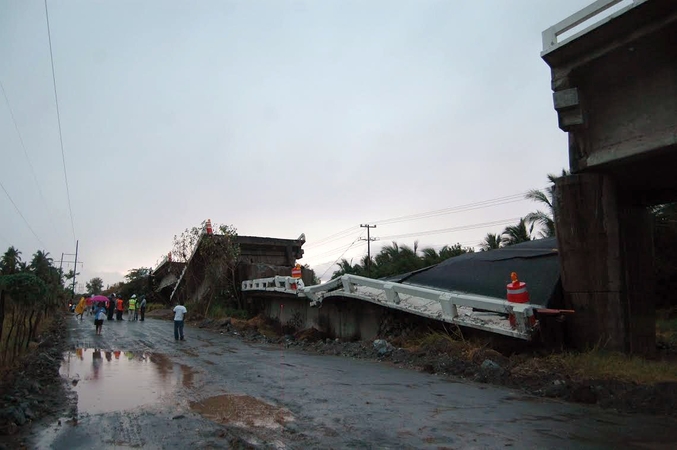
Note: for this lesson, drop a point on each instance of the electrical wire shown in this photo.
(454, 209)
(28, 160)
(328, 252)
(333, 237)
(44, 247)
(337, 259)
(447, 230)
(513, 198)
(58, 118)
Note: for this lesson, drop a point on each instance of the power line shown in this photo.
(359, 244)
(22, 216)
(58, 118)
(513, 198)
(337, 259)
(447, 230)
(333, 237)
(23, 146)
(459, 208)
(329, 252)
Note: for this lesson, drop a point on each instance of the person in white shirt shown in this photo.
(179, 312)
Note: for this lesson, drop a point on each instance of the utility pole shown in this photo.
(369, 239)
(75, 270)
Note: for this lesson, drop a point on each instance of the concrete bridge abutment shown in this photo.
(606, 251)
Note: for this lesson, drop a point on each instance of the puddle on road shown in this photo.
(242, 411)
(108, 381)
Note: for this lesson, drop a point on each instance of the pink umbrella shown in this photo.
(97, 299)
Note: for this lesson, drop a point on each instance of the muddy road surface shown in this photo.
(136, 387)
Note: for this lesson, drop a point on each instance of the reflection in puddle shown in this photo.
(107, 381)
(243, 411)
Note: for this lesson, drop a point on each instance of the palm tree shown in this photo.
(514, 234)
(10, 262)
(491, 242)
(430, 256)
(545, 219)
(345, 267)
(40, 264)
(447, 251)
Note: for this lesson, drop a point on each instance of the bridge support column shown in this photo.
(606, 254)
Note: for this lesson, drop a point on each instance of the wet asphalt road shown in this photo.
(328, 402)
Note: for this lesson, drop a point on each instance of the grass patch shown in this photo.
(218, 311)
(153, 306)
(452, 342)
(597, 364)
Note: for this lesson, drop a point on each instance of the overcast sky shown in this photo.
(278, 117)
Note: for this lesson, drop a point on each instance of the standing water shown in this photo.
(108, 381)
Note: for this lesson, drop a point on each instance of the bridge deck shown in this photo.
(460, 308)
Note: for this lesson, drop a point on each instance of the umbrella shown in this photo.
(96, 299)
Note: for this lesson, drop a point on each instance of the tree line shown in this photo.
(28, 293)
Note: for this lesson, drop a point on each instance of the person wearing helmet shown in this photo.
(132, 308)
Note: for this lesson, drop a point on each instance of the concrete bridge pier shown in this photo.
(615, 92)
(606, 251)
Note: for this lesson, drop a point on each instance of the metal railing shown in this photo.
(551, 35)
(406, 297)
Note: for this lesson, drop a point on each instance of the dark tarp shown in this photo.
(488, 273)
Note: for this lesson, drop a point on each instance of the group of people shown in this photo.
(112, 309)
(136, 310)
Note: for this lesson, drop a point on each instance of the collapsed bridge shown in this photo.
(467, 290)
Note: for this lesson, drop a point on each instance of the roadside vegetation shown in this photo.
(30, 294)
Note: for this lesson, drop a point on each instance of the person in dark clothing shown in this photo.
(111, 306)
(142, 308)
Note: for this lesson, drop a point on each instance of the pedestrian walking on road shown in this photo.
(179, 313)
(120, 308)
(142, 308)
(99, 317)
(132, 308)
(80, 309)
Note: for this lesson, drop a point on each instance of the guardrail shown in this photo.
(408, 298)
(551, 35)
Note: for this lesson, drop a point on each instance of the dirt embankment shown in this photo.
(34, 389)
(545, 375)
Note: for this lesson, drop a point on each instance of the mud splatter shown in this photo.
(243, 411)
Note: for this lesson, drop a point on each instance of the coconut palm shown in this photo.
(491, 242)
(41, 264)
(515, 234)
(10, 262)
(345, 267)
(429, 256)
(544, 219)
